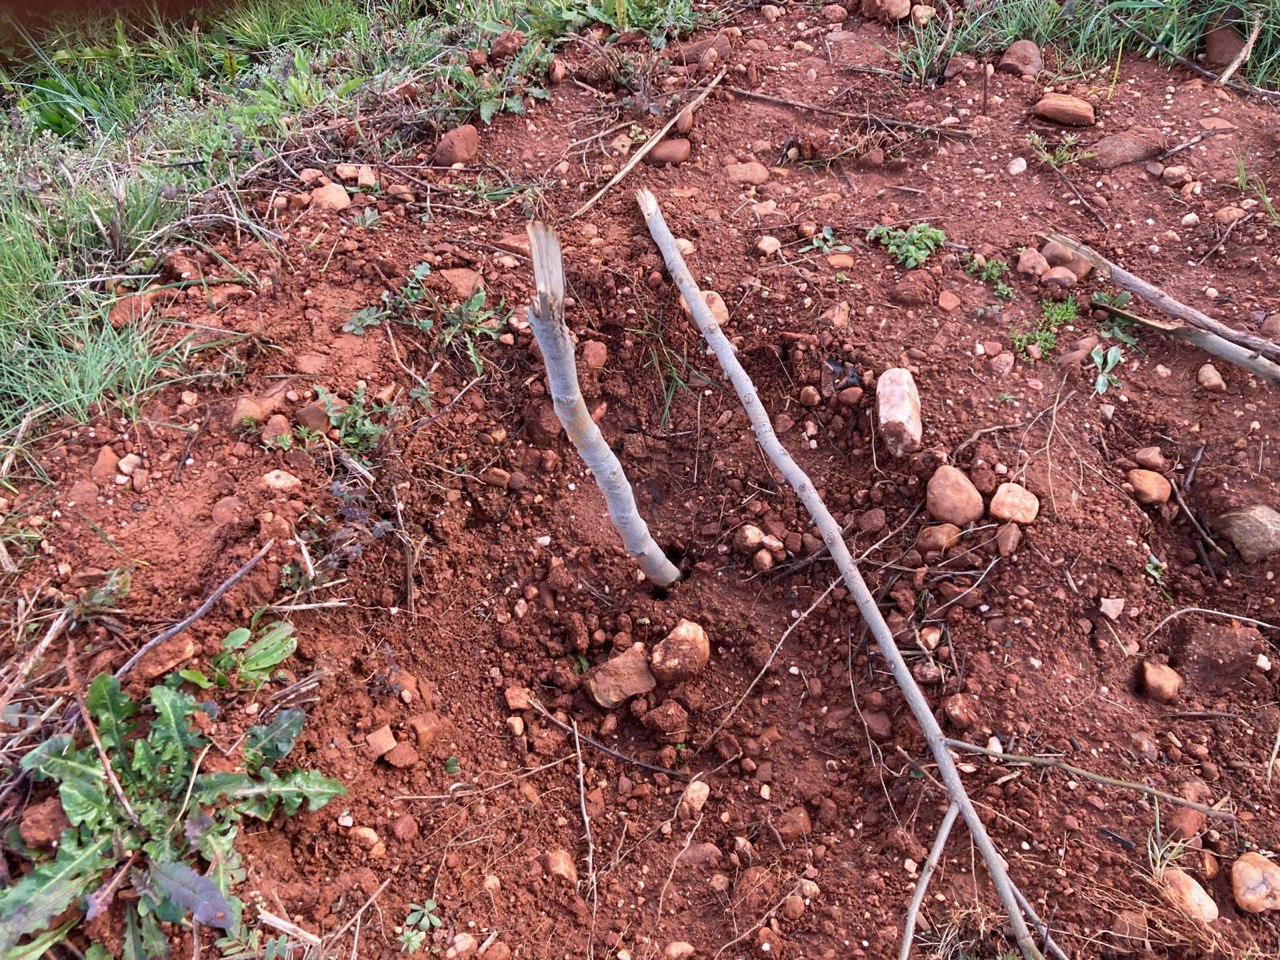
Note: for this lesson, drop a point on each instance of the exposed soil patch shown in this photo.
(479, 577)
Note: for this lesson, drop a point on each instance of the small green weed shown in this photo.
(991, 271)
(660, 20)
(419, 923)
(1116, 326)
(1042, 339)
(1006, 398)
(462, 326)
(1105, 363)
(1247, 182)
(910, 247)
(157, 835)
(1060, 313)
(825, 241)
(245, 662)
(1059, 155)
(353, 420)
(452, 767)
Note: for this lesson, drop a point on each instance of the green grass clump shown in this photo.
(1085, 34)
(1054, 314)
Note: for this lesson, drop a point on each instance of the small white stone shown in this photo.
(1191, 219)
(1016, 166)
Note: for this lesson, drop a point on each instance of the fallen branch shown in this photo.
(853, 581)
(922, 885)
(1075, 771)
(866, 119)
(200, 611)
(649, 145)
(1175, 308)
(1210, 343)
(546, 316)
(1242, 57)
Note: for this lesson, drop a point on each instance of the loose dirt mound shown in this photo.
(475, 573)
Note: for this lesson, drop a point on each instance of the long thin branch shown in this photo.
(200, 611)
(546, 317)
(857, 587)
(1242, 57)
(1075, 771)
(922, 885)
(649, 145)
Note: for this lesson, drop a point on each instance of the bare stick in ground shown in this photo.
(831, 535)
(546, 316)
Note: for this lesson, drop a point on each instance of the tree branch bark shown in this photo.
(546, 316)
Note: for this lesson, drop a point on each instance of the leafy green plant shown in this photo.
(1155, 568)
(466, 324)
(1060, 313)
(991, 271)
(248, 656)
(910, 247)
(825, 241)
(452, 766)
(660, 20)
(1116, 326)
(419, 922)
(1058, 155)
(149, 829)
(353, 420)
(1006, 398)
(1105, 363)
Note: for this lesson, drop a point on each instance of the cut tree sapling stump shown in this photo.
(546, 316)
(1017, 909)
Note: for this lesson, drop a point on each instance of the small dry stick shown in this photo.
(767, 664)
(849, 572)
(929, 866)
(1090, 775)
(662, 894)
(1242, 57)
(546, 316)
(678, 774)
(649, 145)
(586, 818)
(200, 611)
(32, 658)
(290, 929)
(868, 119)
(1215, 613)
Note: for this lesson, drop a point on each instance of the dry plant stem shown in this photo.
(291, 929)
(1175, 308)
(765, 669)
(1242, 57)
(1213, 613)
(200, 611)
(586, 818)
(929, 866)
(678, 774)
(32, 658)
(1075, 771)
(852, 578)
(648, 145)
(546, 316)
(868, 119)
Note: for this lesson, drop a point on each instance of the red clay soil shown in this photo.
(479, 563)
